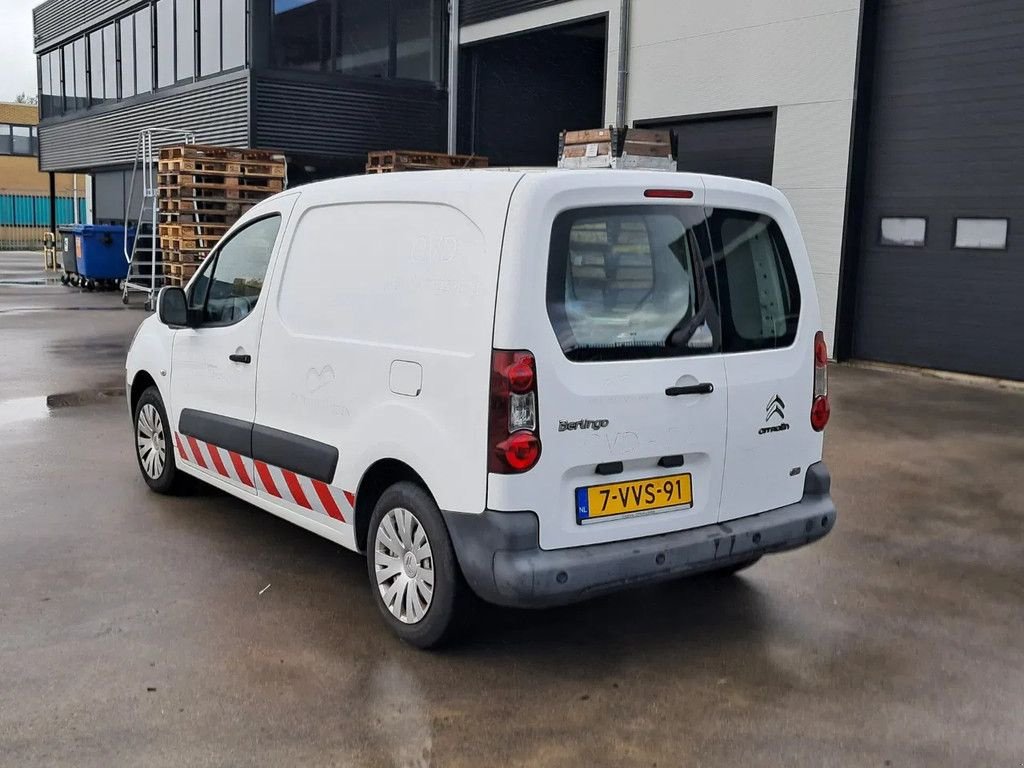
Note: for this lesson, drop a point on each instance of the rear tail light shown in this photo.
(820, 407)
(513, 434)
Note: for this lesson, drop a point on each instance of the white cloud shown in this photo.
(17, 62)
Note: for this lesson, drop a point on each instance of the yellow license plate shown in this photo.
(637, 497)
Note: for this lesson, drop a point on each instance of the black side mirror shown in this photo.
(172, 307)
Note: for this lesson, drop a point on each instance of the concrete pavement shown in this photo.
(133, 630)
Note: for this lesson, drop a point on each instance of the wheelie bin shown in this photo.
(100, 254)
(69, 256)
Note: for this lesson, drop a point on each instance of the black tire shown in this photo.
(731, 570)
(445, 614)
(169, 480)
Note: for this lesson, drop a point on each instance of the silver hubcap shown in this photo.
(404, 566)
(150, 441)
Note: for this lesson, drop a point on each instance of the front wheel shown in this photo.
(153, 444)
(414, 575)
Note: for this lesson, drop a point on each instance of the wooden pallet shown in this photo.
(208, 152)
(219, 167)
(203, 181)
(193, 230)
(393, 161)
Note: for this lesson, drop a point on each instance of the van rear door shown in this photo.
(608, 283)
(769, 319)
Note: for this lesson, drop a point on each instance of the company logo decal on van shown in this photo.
(776, 408)
(569, 426)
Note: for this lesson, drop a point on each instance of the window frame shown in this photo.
(210, 264)
(881, 244)
(989, 249)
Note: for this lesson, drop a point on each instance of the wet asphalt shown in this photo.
(142, 630)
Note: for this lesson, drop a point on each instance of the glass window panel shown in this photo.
(418, 49)
(234, 33)
(186, 37)
(44, 84)
(209, 37)
(164, 43)
(5, 139)
(56, 104)
(22, 140)
(69, 77)
(905, 232)
(988, 234)
(143, 52)
(81, 84)
(96, 66)
(362, 45)
(127, 28)
(109, 63)
(301, 36)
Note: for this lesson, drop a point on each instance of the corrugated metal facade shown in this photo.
(217, 111)
(473, 11)
(340, 121)
(945, 128)
(58, 19)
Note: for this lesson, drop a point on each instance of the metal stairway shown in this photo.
(145, 260)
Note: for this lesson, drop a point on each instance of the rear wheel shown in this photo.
(153, 444)
(414, 575)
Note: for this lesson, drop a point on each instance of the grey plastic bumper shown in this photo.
(501, 558)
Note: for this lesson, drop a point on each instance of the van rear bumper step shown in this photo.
(501, 558)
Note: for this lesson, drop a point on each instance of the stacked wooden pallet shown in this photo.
(203, 190)
(396, 160)
(617, 148)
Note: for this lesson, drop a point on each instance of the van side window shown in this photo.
(758, 291)
(228, 289)
(631, 282)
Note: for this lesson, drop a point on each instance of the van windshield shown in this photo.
(630, 282)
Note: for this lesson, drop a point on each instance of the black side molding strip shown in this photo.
(223, 431)
(298, 454)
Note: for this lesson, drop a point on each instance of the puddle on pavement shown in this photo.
(36, 408)
(28, 282)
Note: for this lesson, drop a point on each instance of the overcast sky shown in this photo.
(17, 63)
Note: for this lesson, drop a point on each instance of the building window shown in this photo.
(143, 51)
(234, 29)
(380, 39)
(209, 37)
(301, 31)
(903, 232)
(185, 35)
(81, 72)
(417, 55)
(110, 62)
(164, 43)
(982, 234)
(126, 30)
(18, 140)
(96, 67)
(362, 45)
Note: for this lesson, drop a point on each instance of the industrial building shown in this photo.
(893, 126)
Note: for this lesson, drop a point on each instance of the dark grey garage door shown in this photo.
(740, 145)
(945, 142)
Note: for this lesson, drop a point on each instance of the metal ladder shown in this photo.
(145, 261)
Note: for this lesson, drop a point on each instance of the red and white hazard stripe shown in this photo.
(283, 484)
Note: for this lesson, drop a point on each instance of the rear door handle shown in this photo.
(704, 388)
(246, 359)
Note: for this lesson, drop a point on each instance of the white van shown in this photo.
(535, 386)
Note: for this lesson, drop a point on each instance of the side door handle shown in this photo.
(704, 388)
(246, 359)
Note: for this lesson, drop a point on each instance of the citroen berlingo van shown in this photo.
(534, 386)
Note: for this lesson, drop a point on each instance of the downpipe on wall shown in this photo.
(620, 97)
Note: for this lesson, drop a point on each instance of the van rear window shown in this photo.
(632, 282)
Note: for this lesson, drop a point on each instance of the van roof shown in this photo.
(458, 184)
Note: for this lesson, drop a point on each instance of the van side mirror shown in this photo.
(172, 307)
